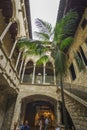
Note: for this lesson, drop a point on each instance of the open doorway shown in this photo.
(37, 109)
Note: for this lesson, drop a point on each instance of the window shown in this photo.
(84, 23)
(72, 70)
(83, 55)
(79, 61)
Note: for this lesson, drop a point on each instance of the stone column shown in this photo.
(19, 55)
(76, 67)
(54, 75)
(44, 74)
(11, 53)
(33, 78)
(58, 112)
(20, 69)
(82, 58)
(23, 109)
(9, 113)
(23, 72)
(6, 30)
(17, 112)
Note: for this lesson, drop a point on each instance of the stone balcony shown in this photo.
(8, 72)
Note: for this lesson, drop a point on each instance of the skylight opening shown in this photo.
(46, 10)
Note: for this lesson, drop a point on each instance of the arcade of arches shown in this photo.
(28, 91)
(44, 74)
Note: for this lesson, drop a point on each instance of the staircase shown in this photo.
(76, 104)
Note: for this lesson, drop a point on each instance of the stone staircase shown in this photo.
(76, 104)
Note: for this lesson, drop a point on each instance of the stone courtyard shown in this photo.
(27, 91)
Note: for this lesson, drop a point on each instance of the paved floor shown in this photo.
(37, 128)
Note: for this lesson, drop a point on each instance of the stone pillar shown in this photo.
(6, 30)
(54, 75)
(33, 78)
(44, 71)
(12, 50)
(19, 55)
(3, 100)
(17, 112)
(59, 112)
(9, 113)
(76, 67)
(20, 69)
(23, 72)
(22, 115)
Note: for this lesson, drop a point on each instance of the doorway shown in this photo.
(37, 109)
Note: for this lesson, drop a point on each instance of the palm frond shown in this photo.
(66, 43)
(66, 26)
(42, 36)
(22, 43)
(42, 60)
(45, 30)
(60, 63)
(43, 26)
(58, 32)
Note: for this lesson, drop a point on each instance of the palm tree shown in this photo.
(62, 39)
(57, 42)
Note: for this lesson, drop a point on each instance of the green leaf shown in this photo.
(42, 60)
(60, 63)
(66, 43)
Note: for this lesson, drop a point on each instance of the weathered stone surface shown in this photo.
(77, 112)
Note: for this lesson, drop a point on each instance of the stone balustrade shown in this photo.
(8, 71)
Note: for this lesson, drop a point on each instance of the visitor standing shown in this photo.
(40, 124)
(57, 127)
(46, 123)
(25, 126)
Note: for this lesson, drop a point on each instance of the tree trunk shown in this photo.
(63, 103)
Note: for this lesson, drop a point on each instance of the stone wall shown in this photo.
(8, 112)
(78, 113)
(79, 41)
(2, 108)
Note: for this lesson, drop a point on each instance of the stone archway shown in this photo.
(38, 105)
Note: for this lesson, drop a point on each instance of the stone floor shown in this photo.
(37, 128)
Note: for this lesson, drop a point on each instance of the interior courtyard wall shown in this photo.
(77, 112)
(2, 108)
(9, 110)
(2, 22)
(79, 40)
(30, 91)
(6, 69)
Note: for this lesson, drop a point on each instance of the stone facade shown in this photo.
(14, 96)
(78, 112)
(11, 28)
(79, 41)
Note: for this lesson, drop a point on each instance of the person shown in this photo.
(57, 127)
(46, 123)
(40, 124)
(25, 126)
(15, 126)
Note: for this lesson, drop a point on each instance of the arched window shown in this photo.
(83, 55)
(28, 72)
(49, 73)
(39, 74)
(72, 71)
(79, 61)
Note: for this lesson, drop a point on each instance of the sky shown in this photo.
(46, 10)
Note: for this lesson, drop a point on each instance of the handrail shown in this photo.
(76, 98)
